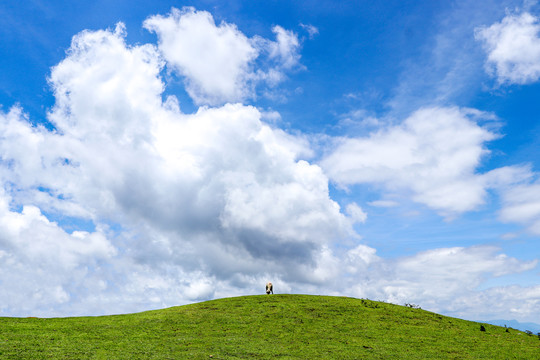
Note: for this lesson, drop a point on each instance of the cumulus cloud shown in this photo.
(214, 59)
(42, 264)
(218, 61)
(445, 280)
(433, 155)
(451, 268)
(513, 48)
(513, 301)
(190, 200)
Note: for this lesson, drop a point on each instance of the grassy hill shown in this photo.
(265, 327)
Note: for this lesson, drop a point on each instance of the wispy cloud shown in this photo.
(447, 68)
(521, 204)
(311, 30)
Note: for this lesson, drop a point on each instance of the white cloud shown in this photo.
(521, 204)
(513, 48)
(311, 30)
(433, 155)
(41, 264)
(356, 213)
(285, 48)
(505, 302)
(192, 200)
(218, 61)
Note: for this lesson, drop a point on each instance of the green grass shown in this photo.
(265, 327)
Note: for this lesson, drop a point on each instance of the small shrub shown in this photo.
(528, 332)
(369, 304)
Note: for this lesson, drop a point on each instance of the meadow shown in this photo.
(265, 327)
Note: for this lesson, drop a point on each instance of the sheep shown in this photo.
(269, 288)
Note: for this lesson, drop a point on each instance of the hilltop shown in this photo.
(265, 327)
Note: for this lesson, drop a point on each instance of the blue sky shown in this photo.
(156, 154)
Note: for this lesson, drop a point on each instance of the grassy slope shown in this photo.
(264, 327)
